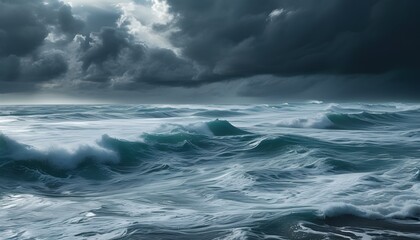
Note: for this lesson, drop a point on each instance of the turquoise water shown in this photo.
(289, 171)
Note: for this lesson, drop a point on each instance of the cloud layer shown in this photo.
(271, 49)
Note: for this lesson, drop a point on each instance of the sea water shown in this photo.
(307, 170)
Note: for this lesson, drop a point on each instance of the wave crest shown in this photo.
(60, 158)
(17, 158)
(411, 212)
(224, 128)
(345, 121)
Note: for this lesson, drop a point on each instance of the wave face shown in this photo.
(289, 171)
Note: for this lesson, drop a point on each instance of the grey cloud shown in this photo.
(244, 38)
(238, 38)
(21, 29)
(270, 48)
(388, 86)
(96, 18)
(163, 67)
(9, 69)
(24, 26)
(47, 66)
(68, 23)
(115, 55)
(111, 43)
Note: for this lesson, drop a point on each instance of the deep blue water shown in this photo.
(289, 171)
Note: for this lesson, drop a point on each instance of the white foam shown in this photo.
(235, 234)
(233, 178)
(338, 209)
(315, 102)
(318, 121)
(408, 211)
(198, 128)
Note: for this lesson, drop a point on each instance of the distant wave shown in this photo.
(269, 144)
(224, 128)
(218, 113)
(319, 121)
(212, 128)
(359, 120)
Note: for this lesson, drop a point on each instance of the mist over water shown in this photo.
(308, 170)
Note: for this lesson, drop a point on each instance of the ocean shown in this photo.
(308, 170)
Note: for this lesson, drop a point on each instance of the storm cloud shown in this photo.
(24, 26)
(270, 49)
(243, 38)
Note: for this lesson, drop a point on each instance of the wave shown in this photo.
(24, 162)
(224, 128)
(303, 144)
(17, 159)
(320, 121)
(340, 209)
(347, 221)
(212, 128)
(344, 121)
(412, 134)
(156, 114)
(366, 119)
(59, 158)
(315, 102)
(100, 161)
(407, 212)
(218, 113)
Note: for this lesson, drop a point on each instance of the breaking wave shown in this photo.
(107, 152)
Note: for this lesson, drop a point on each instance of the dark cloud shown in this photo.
(115, 55)
(47, 66)
(24, 27)
(365, 49)
(96, 18)
(163, 67)
(389, 86)
(242, 38)
(271, 48)
(68, 23)
(22, 30)
(111, 42)
(9, 69)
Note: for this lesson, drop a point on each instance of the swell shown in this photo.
(22, 161)
(352, 121)
(344, 221)
(407, 212)
(224, 128)
(218, 113)
(365, 119)
(180, 146)
(186, 146)
(108, 156)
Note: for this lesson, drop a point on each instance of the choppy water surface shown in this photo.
(289, 171)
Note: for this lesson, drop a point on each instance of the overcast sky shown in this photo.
(221, 51)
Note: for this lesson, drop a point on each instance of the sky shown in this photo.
(208, 51)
